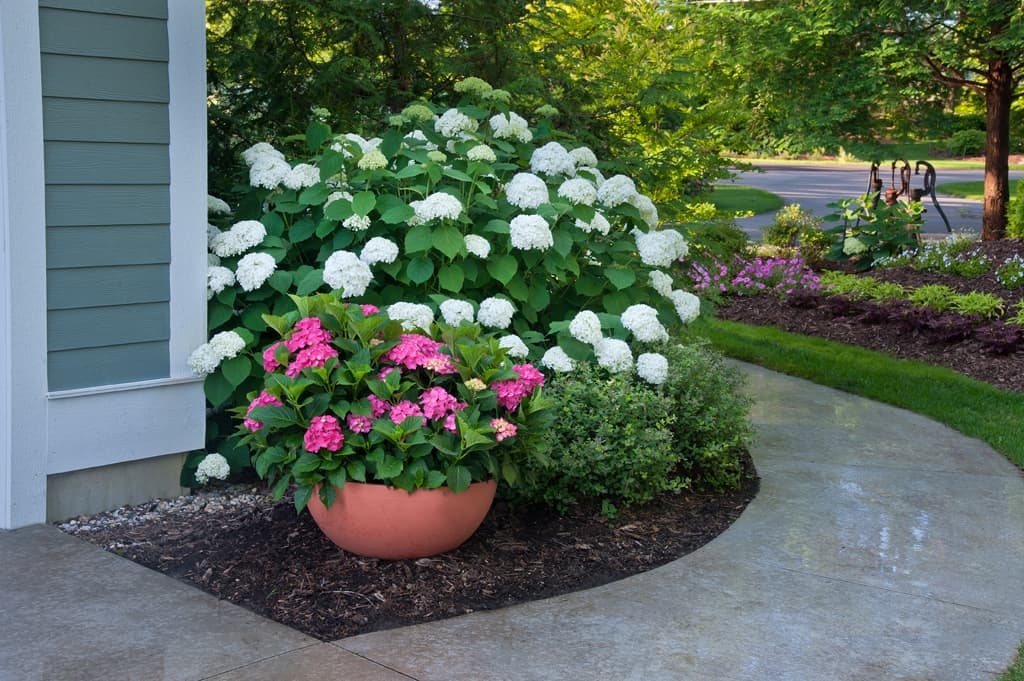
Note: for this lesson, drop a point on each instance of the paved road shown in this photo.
(816, 186)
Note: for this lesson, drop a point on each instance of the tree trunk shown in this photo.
(998, 96)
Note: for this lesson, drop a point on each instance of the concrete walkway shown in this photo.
(882, 546)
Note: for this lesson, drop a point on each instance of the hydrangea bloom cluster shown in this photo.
(437, 206)
(205, 359)
(511, 126)
(530, 232)
(412, 315)
(254, 269)
(526, 191)
(552, 159)
(374, 384)
(240, 238)
(454, 312)
(213, 467)
(642, 321)
(344, 271)
(496, 313)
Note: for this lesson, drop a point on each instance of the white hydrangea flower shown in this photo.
(373, 160)
(552, 159)
(212, 232)
(530, 232)
(586, 327)
(642, 321)
(357, 223)
(661, 282)
(648, 211)
(526, 191)
(660, 248)
(412, 315)
(268, 172)
(496, 313)
(614, 355)
(591, 173)
(240, 238)
(438, 206)
(227, 344)
(615, 190)
(482, 152)
(578, 191)
(556, 360)
(511, 127)
(478, 246)
(599, 224)
(378, 249)
(687, 305)
(453, 121)
(652, 367)
(217, 279)
(260, 150)
(254, 269)
(215, 206)
(514, 345)
(213, 466)
(345, 271)
(301, 176)
(418, 136)
(365, 145)
(454, 312)
(583, 156)
(204, 360)
(438, 156)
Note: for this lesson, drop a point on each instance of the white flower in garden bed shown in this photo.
(452, 122)
(372, 160)
(599, 224)
(496, 313)
(412, 315)
(205, 359)
(615, 190)
(437, 206)
(614, 355)
(345, 271)
(526, 191)
(454, 312)
(642, 321)
(213, 466)
(240, 238)
(687, 305)
(478, 245)
(586, 327)
(648, 211)
(215, 206)
(268, 172)
(652, 367)
(552, 159)
(660, 248)
(511, 126)
(556, 360)
(530, 232)
(254, 269)
(301, 176)
(583, 157)
(357, 223)
(661, 282)
(261, 150)
(514, 345)
(481, 152)
(579, 191)
(217, 279)
(378, 249)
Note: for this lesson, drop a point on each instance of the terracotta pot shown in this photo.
(384, 522)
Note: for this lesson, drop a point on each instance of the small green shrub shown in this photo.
(1015, 213)
(938, 297)
(966, 143)
(791, 221)
(716, 240)
(710, 428)
(868, 233)
(1011, 273)
(611, 441)
(886, 290)
(841, 283)
(982, 304)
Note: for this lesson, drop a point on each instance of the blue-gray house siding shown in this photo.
(107, 170)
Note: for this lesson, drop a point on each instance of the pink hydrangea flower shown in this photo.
(264, 399)
(503, 429)
(270, 362)
(358, 423)
(369, 309)
(313, 356)
(308, 332)
(438, 403)
(324, 433)
(404, 410)
(378, 407)
(449, 423)
(413, 351)
(511, 393)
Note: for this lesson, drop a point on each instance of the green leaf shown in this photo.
(434, 479)
(307, 463)
(389, 467)
(518, 289)
(459, 478)
(356, 471)
(302, 495)
(316, 133)
(418, 239)
(393, 210)
(310, 283)
(253, 318)
(315, 195)
(589, 286)
(502, 267)
(325, 228)
(449, 240)
(457, 175)
(620, 279)
(563, 242)
(363, 203)
(419, 270)
(217, 313)
(510, 472)
(280, 281)
(410, 171)
(236, 369)
(301, 230)
(451, 278)
(217, 388)
(539, 298)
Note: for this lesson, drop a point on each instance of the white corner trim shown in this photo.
(105, 428)
(22, 270)
(186, 33)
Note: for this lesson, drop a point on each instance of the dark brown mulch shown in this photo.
(967, 356)
(265, 558)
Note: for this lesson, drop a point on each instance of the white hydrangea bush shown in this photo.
(467, 213)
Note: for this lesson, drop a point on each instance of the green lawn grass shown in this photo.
(737, 199)
(968, 190)
(972, 407)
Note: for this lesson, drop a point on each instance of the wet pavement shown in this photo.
(882, 545)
